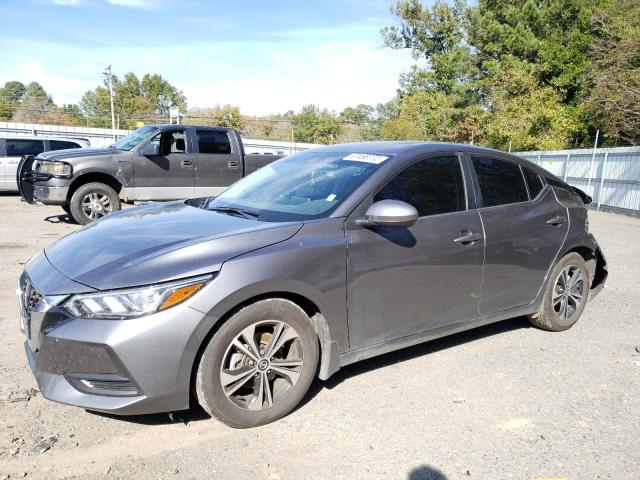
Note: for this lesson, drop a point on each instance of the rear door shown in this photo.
(218, 165)
(16, 148)
(169, 175)
(525, 227)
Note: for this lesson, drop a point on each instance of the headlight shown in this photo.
(135, 302)
(58, 169)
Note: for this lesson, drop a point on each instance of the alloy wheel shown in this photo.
(568, 292)
(262, 365)
(96, 205)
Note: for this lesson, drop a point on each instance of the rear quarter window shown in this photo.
(534, 182)
(501, 182)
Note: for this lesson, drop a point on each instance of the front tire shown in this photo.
(565, 296)
(259, 364)
(93, 201)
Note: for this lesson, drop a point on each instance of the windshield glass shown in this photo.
(304, 186)
(134, 138)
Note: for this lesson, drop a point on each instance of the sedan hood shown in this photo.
(159, 242)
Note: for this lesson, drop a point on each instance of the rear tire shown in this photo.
(93, 201)
(566, 295)
(244, 389)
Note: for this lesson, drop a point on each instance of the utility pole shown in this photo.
(107, 73)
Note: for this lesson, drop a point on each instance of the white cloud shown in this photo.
(140, 4)
(332, 68)
(68, 3)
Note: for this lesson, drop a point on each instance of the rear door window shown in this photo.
(19, 147)
(501, 182)
(210, 141)
(433, 186)
(534, 182)
(62, 145)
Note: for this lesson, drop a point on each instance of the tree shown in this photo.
(134, 100)
(525, 115)
(313, 125)
(219, 115)
(437, 36)
(34, 104)
(614, 71)
(10, 96)
(162, 94)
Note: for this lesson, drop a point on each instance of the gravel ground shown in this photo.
(505, 401)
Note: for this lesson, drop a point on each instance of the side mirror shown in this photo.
(389, 213)
(150, 150)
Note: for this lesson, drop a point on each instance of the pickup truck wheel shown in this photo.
(93, 201)
(259, 364)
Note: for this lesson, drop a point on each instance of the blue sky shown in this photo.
(265, 56)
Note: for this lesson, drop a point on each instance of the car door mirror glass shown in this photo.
(389, 213)
(150, 150)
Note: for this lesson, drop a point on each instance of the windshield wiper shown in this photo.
(237, 211)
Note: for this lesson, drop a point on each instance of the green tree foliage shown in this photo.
(135, 100)
(614, 71)
(536, 74)
(34, 104)
(313, 125)
(10, 96)
(220, 115)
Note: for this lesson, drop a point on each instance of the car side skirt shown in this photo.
(353, 356)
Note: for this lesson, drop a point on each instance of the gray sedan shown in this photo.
(316, 261)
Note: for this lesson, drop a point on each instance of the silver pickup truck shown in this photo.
(155, 162)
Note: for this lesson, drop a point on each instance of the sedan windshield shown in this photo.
(134, 138)
(304, 186)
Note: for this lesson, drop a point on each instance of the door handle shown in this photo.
(232, 164)
(556, 221)
(467, 238)
(186, 163)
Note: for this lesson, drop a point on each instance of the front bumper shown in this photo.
(123, 367)
(126, 367)
(50, 195)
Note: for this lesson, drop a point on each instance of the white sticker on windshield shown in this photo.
(366, 157)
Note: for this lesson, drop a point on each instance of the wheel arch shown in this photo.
(329, 361)
(595, 260)
(93, 176)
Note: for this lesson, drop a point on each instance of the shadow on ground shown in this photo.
(196, 413)
(425, 472)
(62, 218)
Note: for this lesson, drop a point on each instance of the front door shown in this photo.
(403, 281)
(217, 165)
(169, 175)
(525, 227)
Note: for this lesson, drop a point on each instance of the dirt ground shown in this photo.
(505, 401)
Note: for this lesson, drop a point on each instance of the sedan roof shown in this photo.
(402, 147)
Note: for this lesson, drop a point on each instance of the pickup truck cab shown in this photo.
(155, 162)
